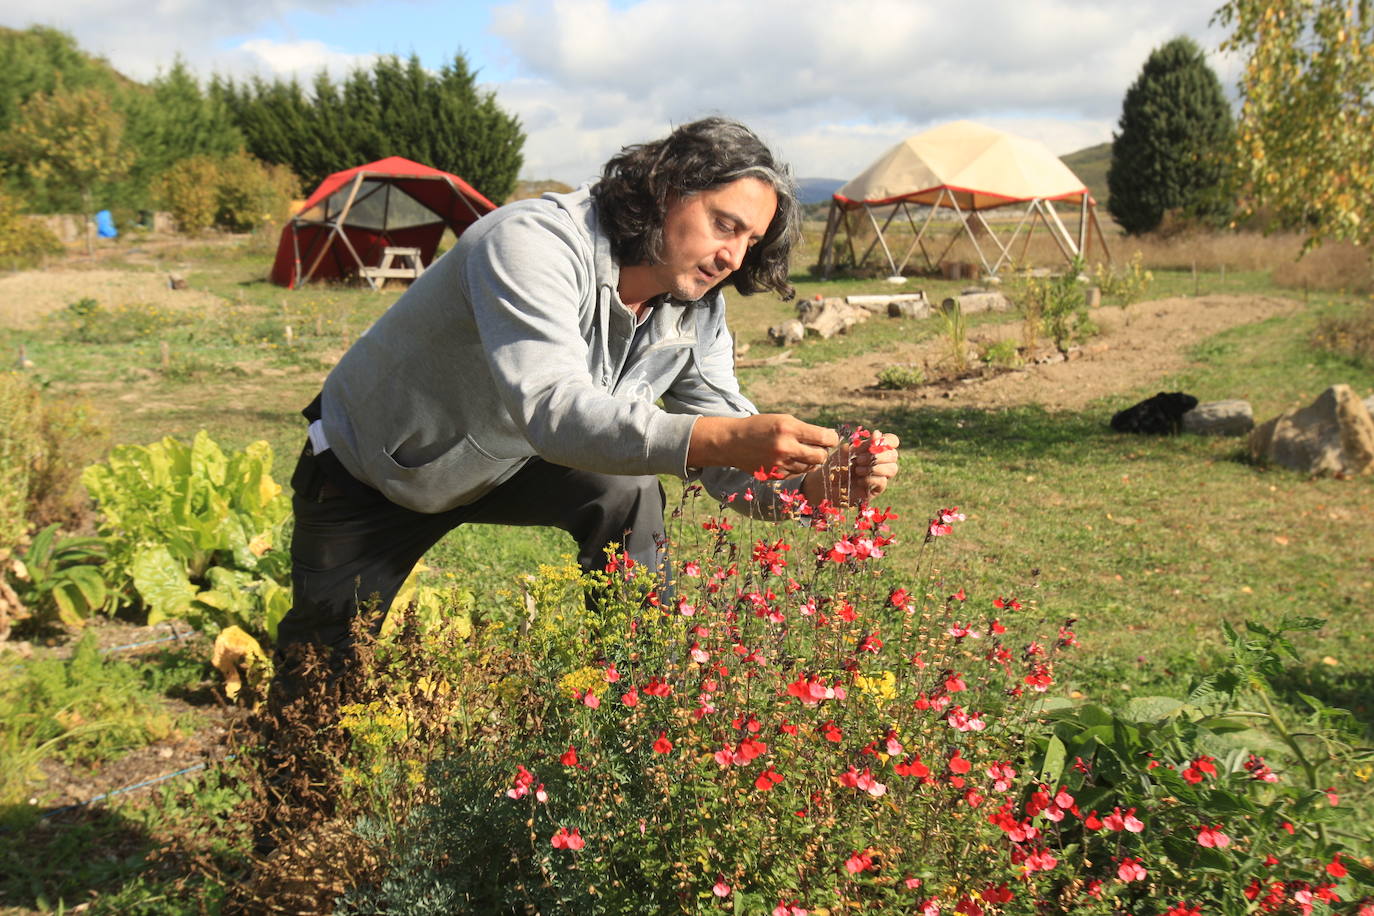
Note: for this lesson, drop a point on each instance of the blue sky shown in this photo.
(830, 85)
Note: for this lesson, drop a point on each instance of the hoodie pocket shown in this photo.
(460, 475)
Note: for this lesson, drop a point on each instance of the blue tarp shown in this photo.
(104, 225)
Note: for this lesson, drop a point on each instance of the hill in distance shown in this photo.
(1091, 164)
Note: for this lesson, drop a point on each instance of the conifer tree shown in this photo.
(396, 108)
(1173, 149)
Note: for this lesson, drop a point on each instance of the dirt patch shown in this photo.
(1139, 344)
(25, 298)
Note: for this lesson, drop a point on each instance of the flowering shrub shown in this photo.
(789, 727)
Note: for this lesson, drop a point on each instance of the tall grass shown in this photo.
(1335, 266)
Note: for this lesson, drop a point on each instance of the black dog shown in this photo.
(1161, 415)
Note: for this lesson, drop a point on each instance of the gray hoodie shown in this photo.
(515, 344)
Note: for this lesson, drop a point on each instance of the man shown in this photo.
(518, 380)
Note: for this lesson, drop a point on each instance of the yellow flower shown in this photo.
(882, 687)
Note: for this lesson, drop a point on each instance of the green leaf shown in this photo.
(162, 583)
(1052, 763)
(67, 609)
(1151, 709)
(89, 582)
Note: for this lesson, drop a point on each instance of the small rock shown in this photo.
(1333, 436)
(176, 281)
(1220, 418)
(788, 333)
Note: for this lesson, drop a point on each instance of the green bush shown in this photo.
(45, 444)
(24, 242)
(901, 378)
(1003, 354)
(235, 192)
(1350, 337)
(251, 194)
(19, 449)
(859, 741)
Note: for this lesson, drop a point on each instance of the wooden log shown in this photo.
(781, 359)
(834, 317)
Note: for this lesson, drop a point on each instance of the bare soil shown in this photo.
(1139, 345)
(25, 298)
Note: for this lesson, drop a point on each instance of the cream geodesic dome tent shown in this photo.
(966, 169)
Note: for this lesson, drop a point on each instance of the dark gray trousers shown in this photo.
(353, 547)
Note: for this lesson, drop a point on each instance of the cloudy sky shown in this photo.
(830, 84)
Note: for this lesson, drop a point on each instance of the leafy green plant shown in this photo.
(1055, 305)
(195, 533)
(1126, 284)
(1217, 796)
(18, 449)
(1002, 354)
(901, 378)
(61, 578)
(87, 707)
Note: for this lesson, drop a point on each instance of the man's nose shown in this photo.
(732, 252)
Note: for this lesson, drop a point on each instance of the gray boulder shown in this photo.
(1220, 418)
(1334, 435)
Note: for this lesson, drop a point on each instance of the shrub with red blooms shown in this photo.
(789, 726)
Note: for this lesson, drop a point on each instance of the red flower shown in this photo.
(912, 767)
(630, 697)
(521, 784)
(767, 779)
(1183, 909)
(569, 757)
(958, 764)
(859, 862)
(662, 745)
(1334, 868)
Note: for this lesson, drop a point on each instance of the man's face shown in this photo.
(706, 235)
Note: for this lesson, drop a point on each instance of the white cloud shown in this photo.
(141, 38)
(302, 59)
(827, 79)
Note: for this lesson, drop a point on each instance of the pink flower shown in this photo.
(1118, 821)
(1040, 860)
(721, 889)
(630, 697)
(565, 840)
(1130, 870)
(699, 655)
(1212, 837)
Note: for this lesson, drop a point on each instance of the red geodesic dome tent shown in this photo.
(356, 214)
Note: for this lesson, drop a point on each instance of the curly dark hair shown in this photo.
(637, 185)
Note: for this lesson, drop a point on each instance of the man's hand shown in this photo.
(766, 441)
(853, 475)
